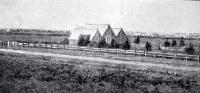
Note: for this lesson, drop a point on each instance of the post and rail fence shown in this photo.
(154, 54)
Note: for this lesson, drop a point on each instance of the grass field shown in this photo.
(39, 74)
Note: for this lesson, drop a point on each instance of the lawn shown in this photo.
(30, 74)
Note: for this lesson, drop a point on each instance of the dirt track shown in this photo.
(140, 64)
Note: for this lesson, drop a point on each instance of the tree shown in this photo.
(126, 45)
(102, 43)
(137, 40)
(182, 43)
(174, 44)
(87, 41)
(113, 44)
(148, 46)
(167, 43)
(81, 41)
(190, 49)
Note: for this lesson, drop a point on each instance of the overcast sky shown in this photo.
(166, 16)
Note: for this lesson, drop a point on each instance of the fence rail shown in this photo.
(153, 54)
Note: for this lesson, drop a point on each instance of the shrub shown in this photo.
(137, 40)
(102, 43)
(87, 41)
(148, 46)
(113, 44)
(81, 42)
(127, 45)
(190, 49)
(182, 43)
(174, 44)
(167, 43)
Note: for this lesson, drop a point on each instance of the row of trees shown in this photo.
(174, 43)
(188, 49)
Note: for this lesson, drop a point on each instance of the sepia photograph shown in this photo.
(99, 46)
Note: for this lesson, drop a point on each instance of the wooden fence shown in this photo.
(154, 54)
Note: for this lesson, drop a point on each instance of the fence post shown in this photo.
(8, 44)
(145, 54)
(186, 57)
(23, 44)
(108, 50)
(175, 56)
(199, 58)
(154, 55)
(45, 45)
(125, 51)
(64, 47)
(51, 45)
(57, 45)
(117, 51)
(135, 52)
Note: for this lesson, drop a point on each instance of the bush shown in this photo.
(174, 44)
(126, 45)
(81, 42)
(137, 40)
(190, 49)
(102, 43)
(113, 44)
(87, 41)
(167, 43)
(148, 46)
(182, 43)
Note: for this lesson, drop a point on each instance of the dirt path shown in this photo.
(139, 64)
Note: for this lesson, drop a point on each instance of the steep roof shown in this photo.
(109, 30)
(87, 29)
(121, 31)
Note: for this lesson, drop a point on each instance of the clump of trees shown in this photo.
(148, 46)
(137, 40)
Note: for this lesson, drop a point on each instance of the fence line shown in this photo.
(135, 52)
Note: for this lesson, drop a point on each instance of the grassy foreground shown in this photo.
(37, 74)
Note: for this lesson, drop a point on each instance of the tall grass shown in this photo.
(25, 74)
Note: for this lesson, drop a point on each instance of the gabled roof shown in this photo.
(121, 32)
(87, 29)
(97, 34)
(109, 30)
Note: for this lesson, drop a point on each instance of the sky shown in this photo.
(162, 16)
